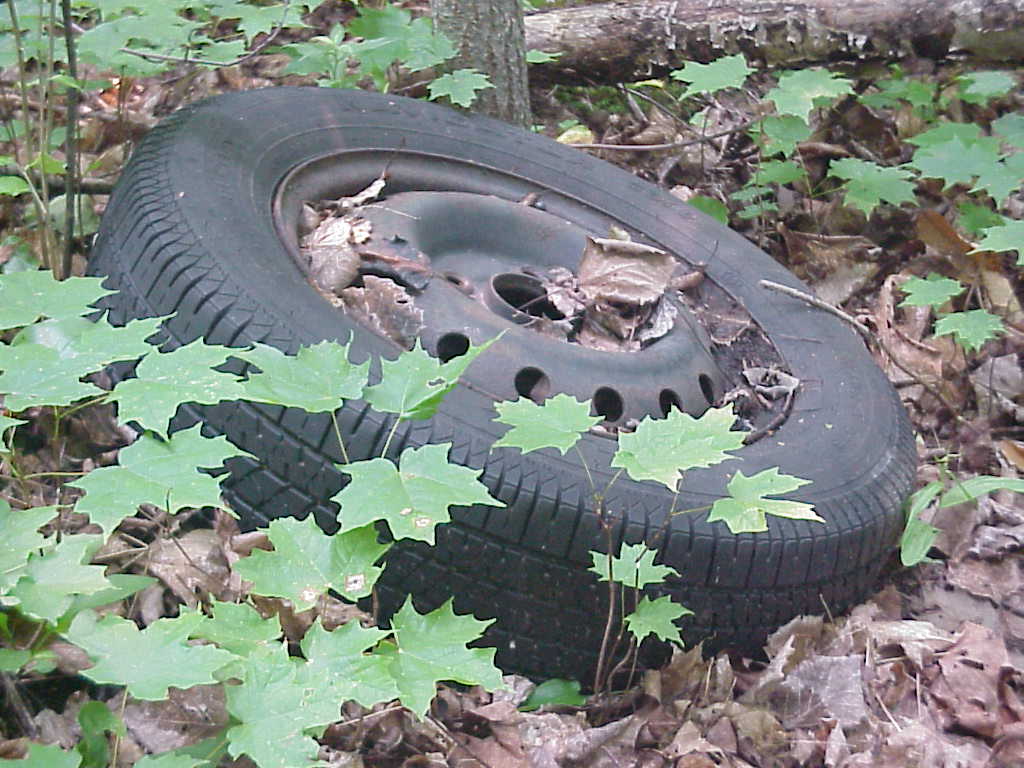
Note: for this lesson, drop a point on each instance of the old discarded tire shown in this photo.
(191, 230)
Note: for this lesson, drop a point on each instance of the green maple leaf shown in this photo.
(27, 296)
(726, 72)
(1008, 237)
(19, 532)
(238, 628)
(800, 91)
(778, 172)
(45, 756)
(633, 567)
(430, 648)
(556, 423)
(177, 759)
(663, 449)
(716, 209)
(414, 384)
(426, 48)
(253, 20)
(781, 133)
(459, 86)
(306, 562)
(890, 92)
(971, 329)
(124, 654)
(957, 162)
(50, 581)
(935, 291)
(164, 473)
(657, 617)
(165, 380)
(943, 133)
(976, 218)
(43, 365)
(1011, 127)
(318, 379)
(982, 87)
(744, 510)
(412, 498)
(556, 692)
(387, 30)
(339, 665)
(868, 184)
(278, 713)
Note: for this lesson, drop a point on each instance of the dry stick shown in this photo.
(867, 336)
(70, 144)
(670, 145)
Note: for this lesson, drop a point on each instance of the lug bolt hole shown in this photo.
(533, 384)
(452, 345)
(608, 403)
(669, 400)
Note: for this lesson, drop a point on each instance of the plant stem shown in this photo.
(391, 434)
(337, 433)
(70, 143)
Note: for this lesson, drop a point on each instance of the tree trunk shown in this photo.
(624, 41)
(490, 37)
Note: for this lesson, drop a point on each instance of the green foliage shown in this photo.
(554, 693)
(306, 562)
(1006, 237)
(414, 384)
(662, 450)
(45, 756)
(459, 87)
(633, 567)
(801, 91)
(431, 647)
(712, 207)
(868, 184)
(164, 473)
(746, 507)
(918, 536)
(726, 72)
(412, 497)
(122, 654)
(558, 422)
(971, 329)
(982, 87)
(656, 617)
(934, 291)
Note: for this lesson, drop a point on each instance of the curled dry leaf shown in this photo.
(182, 719)
(329, 251)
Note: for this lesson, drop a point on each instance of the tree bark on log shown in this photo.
(625, 41)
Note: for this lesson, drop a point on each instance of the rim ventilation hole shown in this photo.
(669, 400)
(533, 384)
(608, 403)
(452, 345)
(707, 387)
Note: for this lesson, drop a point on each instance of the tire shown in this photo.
(189, 230)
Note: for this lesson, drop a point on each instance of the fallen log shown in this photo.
(625, 41)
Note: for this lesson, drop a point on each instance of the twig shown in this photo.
(70, 144)
(670, 145)
(814, 301)
(256, 51)
(869, 337)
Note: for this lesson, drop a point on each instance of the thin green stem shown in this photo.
(586, 469)
(391, 434)
(337, 434)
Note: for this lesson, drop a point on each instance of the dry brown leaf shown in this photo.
(836, 266)
(822, 688)
(184, 718)
(689, 740)
(386, 306)
(623, 272)
(973, 693)
(1013, 451)
(191, 566)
